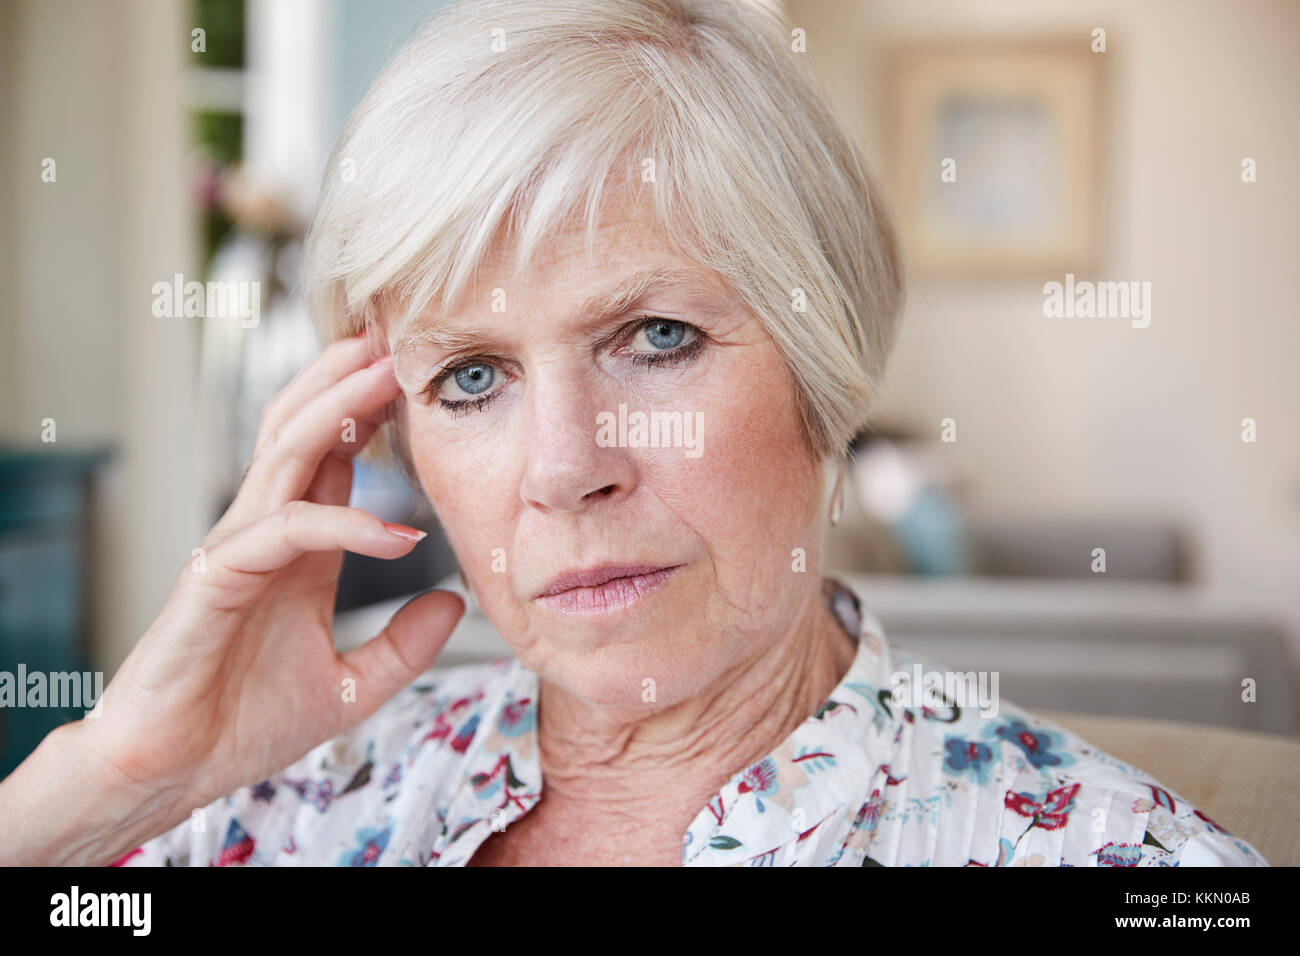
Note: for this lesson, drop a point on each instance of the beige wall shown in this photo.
(98, 87)
(1093, 417)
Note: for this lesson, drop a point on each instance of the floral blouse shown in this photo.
(864, 781)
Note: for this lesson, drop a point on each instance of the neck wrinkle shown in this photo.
(621, 777)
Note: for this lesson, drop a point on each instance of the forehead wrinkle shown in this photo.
(605, 305)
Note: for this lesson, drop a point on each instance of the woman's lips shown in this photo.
(599, 590)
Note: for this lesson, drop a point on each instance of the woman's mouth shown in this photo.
(603, 589)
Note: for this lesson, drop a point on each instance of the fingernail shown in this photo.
(402, 531)
(381, 360)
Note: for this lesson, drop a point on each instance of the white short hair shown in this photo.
(517, 115)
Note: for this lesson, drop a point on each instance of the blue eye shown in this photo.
(475, 379)
(664, 334)
(467, 388)
(669, 343)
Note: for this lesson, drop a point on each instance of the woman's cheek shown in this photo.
(464, 478)
(749, 434)
(755, 486)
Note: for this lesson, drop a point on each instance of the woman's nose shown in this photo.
(567, 469)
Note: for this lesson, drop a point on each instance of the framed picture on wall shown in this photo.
(995, 158)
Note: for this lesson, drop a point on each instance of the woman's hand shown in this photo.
(238, 676)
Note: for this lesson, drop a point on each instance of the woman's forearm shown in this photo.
(63, 806)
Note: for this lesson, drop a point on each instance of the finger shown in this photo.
(303, 526)
(403, 650)
(281, 472)
(337, 360)
(332, 483)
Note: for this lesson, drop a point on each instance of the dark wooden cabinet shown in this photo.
(45, 534)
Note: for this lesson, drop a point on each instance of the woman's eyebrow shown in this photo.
(623, 297)
(596, 310)
(442, 337)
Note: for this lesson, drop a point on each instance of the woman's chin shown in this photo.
(643, 668)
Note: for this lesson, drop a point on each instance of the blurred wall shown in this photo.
(98, 87)
(1091, 416)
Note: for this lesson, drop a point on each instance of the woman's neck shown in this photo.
(642, 781)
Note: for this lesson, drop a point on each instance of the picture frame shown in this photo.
(996, 155)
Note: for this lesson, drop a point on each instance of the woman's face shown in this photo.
(512, 407)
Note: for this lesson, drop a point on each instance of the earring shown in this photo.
(837, 496)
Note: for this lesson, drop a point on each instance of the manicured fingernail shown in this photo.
(403, 531)
(382, 360)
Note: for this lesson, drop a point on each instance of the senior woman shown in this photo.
(545, 219)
